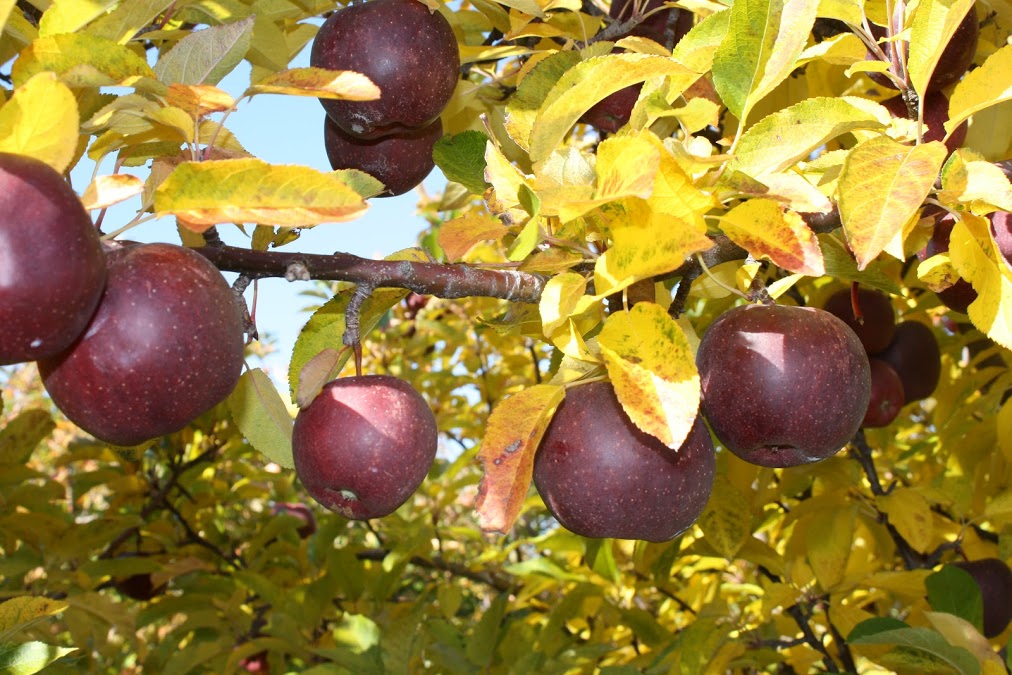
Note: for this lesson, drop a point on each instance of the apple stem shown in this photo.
(855, 303)
(352, 323)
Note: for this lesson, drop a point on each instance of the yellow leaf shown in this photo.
(572, 370)
(41, 121)
(986, 86)
(198, 99)
(21, 612)
(1004, 425)
(987, 188)
(318, 82)
(67, 16)
(933, 25)
(829, 536)
(882, 185)
(959, 632)
(777, 596)
(105, 191)
(177, 119)
(202, 194)
(761, 227)
(458, 236)
(724, 522)
(568, 338)
(937, 273)
(505, 178)
(972, 255)
(675, 193)
(5, 11)
(908, 586)
(83, 60)
(653, 370)
(559, 299)
(507, 452)
(910, 514)
(626, 167)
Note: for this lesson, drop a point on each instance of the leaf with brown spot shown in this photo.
(764, 229)
(507, 452)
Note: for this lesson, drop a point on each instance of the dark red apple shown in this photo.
(936, 114)
(887, 397)
(601, 476)
(612, 112)
(164, 346)
(916, 358)
(995, 581)
(52, 269)
(139, 587)
(257, 663)
(959, 295)
(1001, 230)
(879, 319)
(407, 50)
(399, 161)
(364, 445)
(300, 512)
(954, 62)
(783, 385)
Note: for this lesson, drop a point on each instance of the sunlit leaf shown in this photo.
(970, 250)
(461, 158)
(910, 514)
(30, 657)
(20, 436)
(764, 229)
(319, 83)
(982, 87)
(933, 25)
(828, 539)
(81, 60)
(262, 416)
(198, 99)
(41, 121)
(206, 56)
(24, 611)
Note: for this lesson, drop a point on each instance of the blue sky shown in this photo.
(285, 130)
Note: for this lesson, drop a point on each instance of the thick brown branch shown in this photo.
(444, 281)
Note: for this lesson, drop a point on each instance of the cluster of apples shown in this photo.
(132, 343)
(410, 53)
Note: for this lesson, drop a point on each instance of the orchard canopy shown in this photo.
(618, 178)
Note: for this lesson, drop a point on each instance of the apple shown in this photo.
(364, 445)
(783, 385)
(995, 581)
(936, 114)
(399, 161)
(613, 111)
(139, 587)
(879, 319)
(601, 476)
(300, 512)
(52, 269)
(887, 396)
(164, 346)
(1001, 230)
(406, 49)
(954, 62)
(256, 663)
(916, 358)
(959, 295)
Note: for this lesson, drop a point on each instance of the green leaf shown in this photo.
(922, 640)
(206, 56)
(874, 626)
(30, 657)
(482, 643)
(22, 434)
(261, 415)
(840, 264)
(461, 158)
(953, 590)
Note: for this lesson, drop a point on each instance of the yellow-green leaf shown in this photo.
(523, 106)
(23, 611)
(507, 451)
(559, 299)
(67, 16)
(21, 435)
(124, 22)
(972, 255)
(41, 121)
(779, 141)
(961, 633)
(986, 86)
(763, 228)
(882, 185)
(726, 522)
(262, 417)
(910, 514)
(5, 11)
(206, 56)
(829, 536)
(458, 236)
(82, 60)
(29, 657)
(933, 25)
(202, 194)
(763, 41)
(105, 191)
(319, 83)
(1004, 425)
(653, 370)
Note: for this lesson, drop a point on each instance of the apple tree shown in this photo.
(700, 363)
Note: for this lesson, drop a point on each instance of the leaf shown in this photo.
(961, 633)
(882, 186)
(24, 611)
(841, 265)
(481, 646)
(971, 254)
(933, 24)
(923, 640)
(124, 22)
(105, 191)
(559, 300)
(522, 108)
(317, 372)
(19, 438)
(81, 60)
(41, 121)
(653, 370)
(206, 56)
(318, 82)
(763, 41)
(829, 535)
(591, 81)
(954, 591)
(198, 99)
(782, 139)
(5, 10)
(458, 236)
(697, 49)
(461, 158)
(262, 417)
(725, 524)
(69, 17)
(626, 167)
(511, 439)
(30, 657)
(761, 227)
(203, 194)
(910, 514)
(982, 87)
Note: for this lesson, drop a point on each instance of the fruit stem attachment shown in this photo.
(352, 322)
(855, 303)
